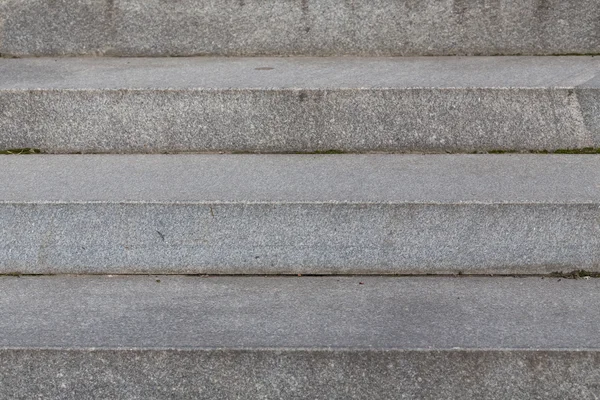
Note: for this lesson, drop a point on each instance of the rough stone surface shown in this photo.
(301, 374)
(90, 337)
(300, 104)
(319, 214)
(298, 27)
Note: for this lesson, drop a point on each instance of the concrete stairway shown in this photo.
(129, 273)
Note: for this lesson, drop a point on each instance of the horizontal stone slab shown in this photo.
(307, 214)
(309, 337)
(444, 104)
(298, 27)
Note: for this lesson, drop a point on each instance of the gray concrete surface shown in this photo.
(309, 214)
(363, 312)
(300, 104)
(302, 178)
(298, 27)
(84, 337)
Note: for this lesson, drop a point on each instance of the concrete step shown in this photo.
(84, 337)
(307, 214)
(300, 104)
(298, 27)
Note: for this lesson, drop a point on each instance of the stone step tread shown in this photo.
(203, 104)
(327, 313)
(299, 27)
(316, 73)
(184, 337)
(302, 178)
(308, 214)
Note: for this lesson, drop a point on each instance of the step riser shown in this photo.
(431, 120)
(187, 374)
(299, 27)
(309, 238)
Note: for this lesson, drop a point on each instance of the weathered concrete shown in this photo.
(255, 214)
(316, 338)
(300, 105)
(298, 27)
